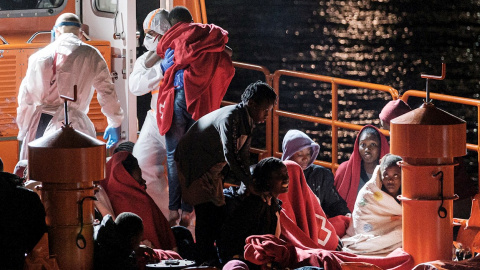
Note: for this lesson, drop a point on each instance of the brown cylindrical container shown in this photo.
(67, 163)
(427, 139)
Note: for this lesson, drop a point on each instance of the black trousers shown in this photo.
(209, 220)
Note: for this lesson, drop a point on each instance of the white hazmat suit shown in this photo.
(150, 146)
(53, 71)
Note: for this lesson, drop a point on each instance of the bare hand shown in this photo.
(266, 197)
(148, 254)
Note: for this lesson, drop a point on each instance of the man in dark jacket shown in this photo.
(214, 148)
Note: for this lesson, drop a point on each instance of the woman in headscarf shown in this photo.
(351, 176)
(126, 190)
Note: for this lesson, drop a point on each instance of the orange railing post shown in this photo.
(334, 126)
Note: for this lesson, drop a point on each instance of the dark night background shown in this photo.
(389, 42)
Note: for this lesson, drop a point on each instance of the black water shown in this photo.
(389, 42)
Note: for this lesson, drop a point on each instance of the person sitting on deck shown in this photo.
(216, 150)
(253, 208)
(377, 216)
(303, 221)
(370, 145)
(23, 221)
(300, 148)
(117, 244)
(103, 206)
(126, 190)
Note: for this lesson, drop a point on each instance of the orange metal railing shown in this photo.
(272, 126)
(272, 123)
(451, 99)
(333, 122)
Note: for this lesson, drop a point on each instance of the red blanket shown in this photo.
(263, 249)
(302, 219)
(347, 176)
(208, 70)
(126, 195)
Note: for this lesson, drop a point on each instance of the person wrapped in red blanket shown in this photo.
(192, 87)
(302, 219)
(299, 147)
(370, 146)
(199, 51)
(127, 193)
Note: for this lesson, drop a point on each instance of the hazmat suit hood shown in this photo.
(295, 141)
(157, 20)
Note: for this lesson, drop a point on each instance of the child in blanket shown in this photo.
(377, 224)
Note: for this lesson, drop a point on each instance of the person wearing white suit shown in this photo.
(54, 71)
(146, 77)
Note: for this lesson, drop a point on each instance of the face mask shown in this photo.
(150, 42)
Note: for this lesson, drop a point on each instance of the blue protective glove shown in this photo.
(178, 80)
(167, 61)
(112, 135)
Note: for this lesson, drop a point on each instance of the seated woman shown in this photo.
(369, 147)
(126, 190)
(253, 209)
(300, 148)
(303, 222)
(377, 224)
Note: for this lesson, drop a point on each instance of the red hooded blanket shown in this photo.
(302, 219)
(208, 70)
(347, 176)
(126, 195)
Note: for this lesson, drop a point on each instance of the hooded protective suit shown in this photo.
(53, 71)
(150, 146)
(319, 179)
